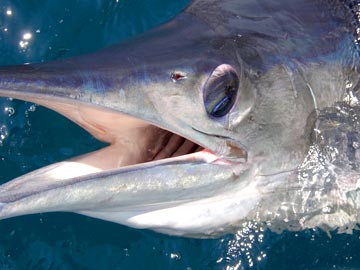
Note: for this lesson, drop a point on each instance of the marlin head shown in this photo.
(202, 122)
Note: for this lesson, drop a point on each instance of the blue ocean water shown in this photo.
(32, 136)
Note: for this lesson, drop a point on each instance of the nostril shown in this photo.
(178, 76)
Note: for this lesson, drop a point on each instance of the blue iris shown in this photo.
(223, 106)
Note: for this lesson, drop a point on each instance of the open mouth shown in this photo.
(132, 141)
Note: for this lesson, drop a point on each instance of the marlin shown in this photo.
(209, 118)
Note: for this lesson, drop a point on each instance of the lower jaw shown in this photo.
(92, 164)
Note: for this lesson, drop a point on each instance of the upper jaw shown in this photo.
(109, 113)
(132, 140)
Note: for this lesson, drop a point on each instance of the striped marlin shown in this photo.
(209, 118)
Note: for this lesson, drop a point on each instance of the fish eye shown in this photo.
(220, 90)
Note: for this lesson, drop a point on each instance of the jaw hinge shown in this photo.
(234, 149)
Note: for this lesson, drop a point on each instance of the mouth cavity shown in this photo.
(132, 141)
